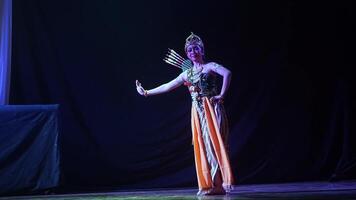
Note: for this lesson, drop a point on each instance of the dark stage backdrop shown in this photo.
(291, 103)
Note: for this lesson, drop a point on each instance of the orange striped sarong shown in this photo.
(201, 162)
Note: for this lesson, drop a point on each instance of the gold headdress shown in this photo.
(193, 39)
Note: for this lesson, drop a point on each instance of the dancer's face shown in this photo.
(195, 53)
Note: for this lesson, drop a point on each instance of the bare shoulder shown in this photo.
(183, 76)
(217, 68)
(212, 66)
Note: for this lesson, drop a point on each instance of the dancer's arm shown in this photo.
(162, 88)
(226, 74)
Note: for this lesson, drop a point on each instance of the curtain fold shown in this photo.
(5, 49)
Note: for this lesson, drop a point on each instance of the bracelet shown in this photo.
(145, 93)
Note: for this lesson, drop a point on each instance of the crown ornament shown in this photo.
(193, 39)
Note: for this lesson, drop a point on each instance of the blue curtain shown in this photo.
(29, 143)
(5, 49)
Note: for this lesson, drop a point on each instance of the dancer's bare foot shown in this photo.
(212, 191)
(227, 188)
(201, 192)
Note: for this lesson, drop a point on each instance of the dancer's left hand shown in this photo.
(217, 98)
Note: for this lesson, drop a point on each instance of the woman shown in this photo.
(209, 122)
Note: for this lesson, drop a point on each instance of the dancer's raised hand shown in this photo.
(140, 89)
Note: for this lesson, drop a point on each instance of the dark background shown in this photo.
(291, 102)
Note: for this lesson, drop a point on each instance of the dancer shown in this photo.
(208, 117)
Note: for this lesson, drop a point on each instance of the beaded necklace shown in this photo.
(194, 74)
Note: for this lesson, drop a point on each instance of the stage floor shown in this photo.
(291, 191)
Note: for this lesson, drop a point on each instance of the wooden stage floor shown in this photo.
(344, 190)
